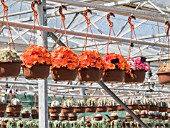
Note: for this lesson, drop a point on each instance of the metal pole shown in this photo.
(42, 84)
(122, 104)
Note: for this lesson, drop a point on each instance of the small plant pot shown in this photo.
(10, 69)
(35, 116)
(111, 108)
(15, 108)
(79, 109)
(144, 107)
(62, 118)
(98, 118)
(114, 117)
(164, 117)
(64, 74)
(151, 116)
(73, 118)
(133, 107)
(37, 71)
(25, 115)
(153, 108)
(139, 77)
(163, 109)
(90, 74)
(101, 109)
(3, 107)
(111, 75)
(2, 114)
(67, 109)
(144, 116)
(90, 109)
(120, 108)
(129, 117)
(163, 77)
(56, 109)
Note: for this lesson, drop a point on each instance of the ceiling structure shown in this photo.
(149, 27)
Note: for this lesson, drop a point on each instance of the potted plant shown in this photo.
(25, 113)
(137, 70)
(151, 115)
(15, 106)
(36, 61)
(54, 116)
(90, 66)
(10, 63)
(163, 73)
(144, 104)
(114, 116)
(136, 112)
(164, 116)
(63, 116)
(91, 105)
(144, 114)
(80, 106)
(3, 106)
(132, 104)
(98, 117)
(56, 124)
(163, 106)
(35, 113)
(55, 107)
(67, 106)
(11, 123)
(72, 116)
(111, 105)
(114, 65)
(64, 64)
(20, 124)
(101, 105)
(153, 105)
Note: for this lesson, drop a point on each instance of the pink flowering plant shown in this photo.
(137, 64)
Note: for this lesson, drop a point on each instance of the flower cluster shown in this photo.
(64, 57)
(90, 59)
(35, 54)
(165, 67)
(137, 64)
(122, 62)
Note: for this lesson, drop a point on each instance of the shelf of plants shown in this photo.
(96, 75)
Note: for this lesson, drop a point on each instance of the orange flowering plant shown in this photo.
(64, 57)
(121, 63)
(35, 54)
(90, 59)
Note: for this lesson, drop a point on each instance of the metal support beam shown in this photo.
(42, 84)
(117, 10)
(122, 104)
(98, 36)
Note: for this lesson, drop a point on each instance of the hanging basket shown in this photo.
(10, 69)
(133, 107)
(114, 117)
(56, 109)
(90, 74)
(163, 109)
(139, 77)
(15, 108)
(3, 107)
(79, 109)
(101, 109)
(144, 107)
(67, 110)
(153, 108)
(111, 108)
(2, 114)
(37, 71)
(64, 74)
(35, 116)
(120, 108)
(163, 77)
(90, 109)
(111, 75)
(25, 115)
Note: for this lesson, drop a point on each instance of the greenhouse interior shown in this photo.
(84, 64)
